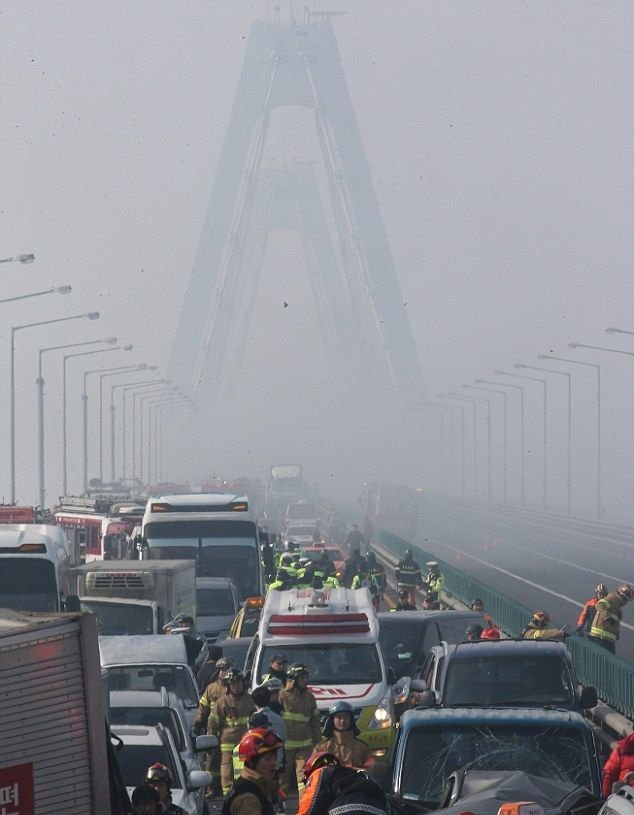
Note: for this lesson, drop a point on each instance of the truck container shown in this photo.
(55, 752)
(137, 596)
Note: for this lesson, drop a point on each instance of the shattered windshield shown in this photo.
(433, 753)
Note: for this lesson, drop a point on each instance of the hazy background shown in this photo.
(499, 135)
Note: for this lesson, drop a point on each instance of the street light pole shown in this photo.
(40, 401)
(54, 290)
(25, 258)
(140, 392)
(124, 385)
(452, 407)
(140, 386)
(504, 437)
(114, 372)
(474, 400)
(142, 400)
(475, 444)
(522, 436)
(91, 315)
(153, 405)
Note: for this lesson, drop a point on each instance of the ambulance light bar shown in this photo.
(289, 625)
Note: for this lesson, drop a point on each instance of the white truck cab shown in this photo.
(335, 632)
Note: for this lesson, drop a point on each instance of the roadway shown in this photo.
(543, 561)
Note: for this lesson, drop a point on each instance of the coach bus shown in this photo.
(217, 530)
(35, 568)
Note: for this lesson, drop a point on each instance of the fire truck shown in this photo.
(335, 633)
(97, 527)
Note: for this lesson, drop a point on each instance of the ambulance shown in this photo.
(335, 632)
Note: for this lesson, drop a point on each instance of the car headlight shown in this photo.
(382, 716)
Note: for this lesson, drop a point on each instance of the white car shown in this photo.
(143, 746)
(302, 535)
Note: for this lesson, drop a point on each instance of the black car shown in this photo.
(406, 637)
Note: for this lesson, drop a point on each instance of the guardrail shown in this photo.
(612, 677)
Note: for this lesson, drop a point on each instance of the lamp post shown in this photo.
(143, 397)
(475, 450)
(26, 258)
(54, 290)
(113, 422)
(90, 315)
(601, 348)
(84, 398)
(140, 386)
(153, 441)
(114, 372)
(504, 437)
(522, 441)
(569, 375)
(611, 330)
(597, 367)
(165, 411)
(151, 386)
(40, 404)
(474, 400)
(434, 410)
(545, 424)
(451, 408)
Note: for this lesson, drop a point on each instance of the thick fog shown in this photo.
(499, 139)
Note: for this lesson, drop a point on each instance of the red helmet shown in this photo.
(491, 633)
(316, 760)
(541, 618)
(159, 772)
(257, 742)
(625, 591)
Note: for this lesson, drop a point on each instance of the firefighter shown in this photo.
(588, 611)
(331, 788)
(229, 721)
(255, 790)
(160, 778)
(403, 603)
(408, 575)
(301, 717)
(214, 690)
(366, 580)
(606, 624)
(340, 738)
(536, 628)
(378, 570)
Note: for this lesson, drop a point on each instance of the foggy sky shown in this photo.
(499, 136)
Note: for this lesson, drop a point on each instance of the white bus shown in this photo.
(35, 568)
(217, 530)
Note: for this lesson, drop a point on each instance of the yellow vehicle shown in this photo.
(246, 621)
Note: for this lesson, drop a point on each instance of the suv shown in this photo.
(406, 637)
(432, 744)
(505, 673)
(150, 708)
(143, 746)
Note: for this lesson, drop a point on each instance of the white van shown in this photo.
(336, 634)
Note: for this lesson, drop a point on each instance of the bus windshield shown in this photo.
(220, 549)
(28, 583)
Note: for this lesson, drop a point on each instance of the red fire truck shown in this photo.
(98, 527)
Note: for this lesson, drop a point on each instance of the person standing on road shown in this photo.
(619, 766)
(331, 788)
(340, 738)
(536, 629)
(301, 717)
(210, 695)
(408, 575)
(378, 570)
(606, 624)
(354, 539)
(435, 579)
(403, 603)
(589, 610)
(255, 789)
(229, 721)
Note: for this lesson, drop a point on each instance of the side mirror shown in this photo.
(205, 743)
(198, 778)
(588, 697)
(72, 603)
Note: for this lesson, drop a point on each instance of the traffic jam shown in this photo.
(199, 652)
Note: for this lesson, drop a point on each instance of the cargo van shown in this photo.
(336, 634)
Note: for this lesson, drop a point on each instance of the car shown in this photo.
(140, 662)
(160, 707)
(505, 673)
(406, 637)
(303, 535)
(334, 553)
(217, 603)
(140, 747)
(432, 744)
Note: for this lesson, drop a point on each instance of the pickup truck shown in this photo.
(433, 744)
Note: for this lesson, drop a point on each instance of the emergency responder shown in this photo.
(606, 624)
(340, 738)
(434, 579)
(352, 566)
(324, 567)
(377, 569)
(146, 800)
(229, 721)
(366, 580)
(478, 605)
(268, 560)
(306, 573)
(254, 791)
(536, 628)
(430, 603)
(282, 581)
(160, 777)
(277, 669)
(403, 603)
(354, 539)
(588, 611)
(331, 788)
(301, 717)
(214, 690)
(491, 633)
(408, 575)
(286, 565)
(274, 686)
(473, 632)
(619, 766)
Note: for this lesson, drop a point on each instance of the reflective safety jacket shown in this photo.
(367, 581)
(531, 632)
(251, 794)
(350, 751)
(587, 614)
(208, 699)
(301, 717)
(407, 573)
(435, 581)
(607, 619)
(229, 719)
(335, 790)
(379, 572)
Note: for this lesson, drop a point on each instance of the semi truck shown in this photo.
(136, 596)
(55, 750)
